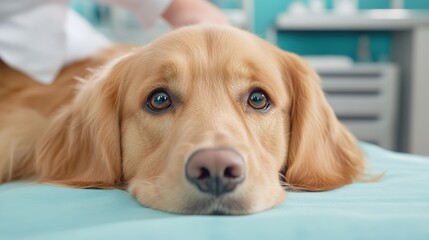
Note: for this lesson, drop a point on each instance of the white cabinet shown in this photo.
(365, 99)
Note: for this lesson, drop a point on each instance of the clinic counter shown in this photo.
(391, 19)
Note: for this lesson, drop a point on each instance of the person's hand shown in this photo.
(187, 12)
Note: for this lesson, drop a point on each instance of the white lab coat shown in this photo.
(39, 37)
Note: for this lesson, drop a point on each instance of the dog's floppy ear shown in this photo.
(81, 147)
(322, 153)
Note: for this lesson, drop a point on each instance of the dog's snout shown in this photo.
(215, 171)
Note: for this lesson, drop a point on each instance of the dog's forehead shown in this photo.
(208, 43)
(209, 50)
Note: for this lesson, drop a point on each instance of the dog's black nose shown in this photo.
(215, 171)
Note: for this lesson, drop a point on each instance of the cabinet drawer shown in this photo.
(331, 84)
(353, 106)
(369, 131)
(364, 97)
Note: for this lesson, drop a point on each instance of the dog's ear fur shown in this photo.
(322, 154)
(81, 147)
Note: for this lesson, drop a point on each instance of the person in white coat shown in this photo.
(39, 37)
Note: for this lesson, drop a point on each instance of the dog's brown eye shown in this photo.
(257, 100)
(159, 101)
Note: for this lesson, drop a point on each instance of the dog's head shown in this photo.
(203, 120)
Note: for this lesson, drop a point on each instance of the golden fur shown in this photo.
(103, 136)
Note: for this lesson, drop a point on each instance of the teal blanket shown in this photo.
(397, 207)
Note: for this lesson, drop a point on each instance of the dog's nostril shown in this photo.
(231, 172)
(204, 173)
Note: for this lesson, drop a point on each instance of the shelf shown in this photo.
(389, 19)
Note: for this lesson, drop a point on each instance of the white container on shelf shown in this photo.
(317, 6)
(345, 6)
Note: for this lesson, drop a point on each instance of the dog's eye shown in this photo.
(258, 100)
(158, 101)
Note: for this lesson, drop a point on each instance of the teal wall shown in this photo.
(327, 42)
(227, 3)
(417, 4)
(336, 43)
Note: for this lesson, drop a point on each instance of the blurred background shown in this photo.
(372, 55)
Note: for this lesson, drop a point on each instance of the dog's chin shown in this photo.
(195, 203)
(214, 206)
(218, 206)
(206, 206)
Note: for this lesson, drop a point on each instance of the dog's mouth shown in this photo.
(218, 206)
(218, 213)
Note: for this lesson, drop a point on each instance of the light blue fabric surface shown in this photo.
(397, 207)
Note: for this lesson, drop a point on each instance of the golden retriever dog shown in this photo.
(204, 120)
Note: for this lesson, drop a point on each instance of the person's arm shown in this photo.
(177, 12)
(187, 12)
